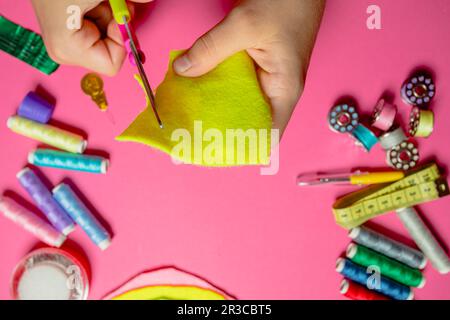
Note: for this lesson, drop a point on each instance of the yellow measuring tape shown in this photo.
(419, 186)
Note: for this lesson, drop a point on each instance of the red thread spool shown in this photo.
(357, 292)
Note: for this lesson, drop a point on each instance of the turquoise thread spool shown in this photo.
(365, 137)
(68, 161)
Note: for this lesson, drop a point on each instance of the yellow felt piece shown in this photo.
(219, 119)
(170, 293)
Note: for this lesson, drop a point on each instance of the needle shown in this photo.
(142, 73)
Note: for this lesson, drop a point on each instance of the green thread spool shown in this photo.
(388, 267)
(25, 45)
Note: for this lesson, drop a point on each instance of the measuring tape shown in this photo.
(419, 186)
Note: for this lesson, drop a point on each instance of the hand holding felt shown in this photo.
(228, 97)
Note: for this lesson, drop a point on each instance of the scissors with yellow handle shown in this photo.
(123, 17)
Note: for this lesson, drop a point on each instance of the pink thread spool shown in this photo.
(30, 222)
(126, 41)
(384, 115)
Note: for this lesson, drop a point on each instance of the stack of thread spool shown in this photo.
(62, 208)
(418, 92)
(402, 152)
(32, 121)
(379, 268)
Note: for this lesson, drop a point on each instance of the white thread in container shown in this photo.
(50, 274)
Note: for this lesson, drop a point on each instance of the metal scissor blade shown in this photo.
(142, 73)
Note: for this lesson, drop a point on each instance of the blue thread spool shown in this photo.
(387, 287)
(35, 108)
(365, 137)
(343, 118)
(76, 209)
(68, 161)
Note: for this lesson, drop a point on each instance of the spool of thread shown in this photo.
(421, 123)
(68, 161)
(65, 196)
(47, 134)
(343, 118)
(35, 108)
(419, 90)
(31, 222)
(424, 239)
(388, 247)
(25, 45)
(45, 202)
(357, 292)
(388, 267)
(392, 139)
(386, 286)
(365, 137)
(404, 156)
(384, 115)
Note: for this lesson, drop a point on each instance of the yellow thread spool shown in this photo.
(421, 123)
(47, 134)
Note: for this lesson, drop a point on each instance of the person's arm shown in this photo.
(97, 45)
(278, 34)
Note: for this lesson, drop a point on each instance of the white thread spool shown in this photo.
(392, 138)
(424, 239)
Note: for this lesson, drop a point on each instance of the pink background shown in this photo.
(257, 237)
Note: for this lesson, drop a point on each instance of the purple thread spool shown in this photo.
(35, 108)
(44, 200)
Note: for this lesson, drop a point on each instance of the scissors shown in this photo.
(123, 17)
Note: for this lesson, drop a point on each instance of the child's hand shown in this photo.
(278, 34)
(97, 45)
